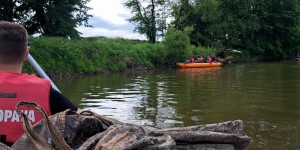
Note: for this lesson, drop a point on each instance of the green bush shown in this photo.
(178, 45)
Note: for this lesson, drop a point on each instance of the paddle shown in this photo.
(41, 72)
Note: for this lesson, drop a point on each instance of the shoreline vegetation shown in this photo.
(60, 56)
(64, 57)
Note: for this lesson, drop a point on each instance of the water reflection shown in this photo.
(265, 96)
(131, 98)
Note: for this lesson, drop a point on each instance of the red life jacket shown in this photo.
(16, 87)
(201, 59)
(192, 60)
(215, 58)
(208, 59)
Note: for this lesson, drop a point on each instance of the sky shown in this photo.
(109, 20)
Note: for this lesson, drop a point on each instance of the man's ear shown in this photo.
(26, 55)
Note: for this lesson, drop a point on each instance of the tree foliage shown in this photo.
(177, 43)
(149, 17)
(261, 27)
(47, 17)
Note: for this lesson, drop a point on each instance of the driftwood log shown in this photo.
(88, 131)
(227, 60)
(222, 135)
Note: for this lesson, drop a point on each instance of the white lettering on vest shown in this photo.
(7, 114)
(15, 117)
(25, 112)
(31, 115)
(1, 115)
(12, 116)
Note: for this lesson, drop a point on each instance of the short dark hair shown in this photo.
(13, 43)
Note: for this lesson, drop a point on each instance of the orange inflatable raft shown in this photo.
(199, 65)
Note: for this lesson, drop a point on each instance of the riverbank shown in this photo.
(59, 56)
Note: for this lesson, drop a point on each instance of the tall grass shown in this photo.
(62, 56)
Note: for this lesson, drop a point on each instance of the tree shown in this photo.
(272, 29)
(203, 15)
(10, 10)
(6, 10)
(280, 28)
(149, 20)
(47, 17)
(269, 28)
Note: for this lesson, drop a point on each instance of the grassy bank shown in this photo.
(99, 54)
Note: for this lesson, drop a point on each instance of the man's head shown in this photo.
(13, 43)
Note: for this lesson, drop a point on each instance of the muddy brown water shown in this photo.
(266, 96)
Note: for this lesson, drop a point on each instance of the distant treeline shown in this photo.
(268, 29)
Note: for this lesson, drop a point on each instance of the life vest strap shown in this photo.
(3, 140)
(8, 95)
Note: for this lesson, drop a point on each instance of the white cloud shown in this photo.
(109, 20)
(111, 11)
(91, 32)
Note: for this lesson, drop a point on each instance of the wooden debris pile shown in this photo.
(88, 131)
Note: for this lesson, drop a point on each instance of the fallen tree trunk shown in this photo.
(227, 60)
(231, 132)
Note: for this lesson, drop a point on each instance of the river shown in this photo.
(266, 96)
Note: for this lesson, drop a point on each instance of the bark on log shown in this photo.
(205, 147)
(128, 136)
(227, 60)
(4, 147)
(231, 132)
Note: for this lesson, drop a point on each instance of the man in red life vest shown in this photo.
(16, 86)
(208, 59)
(215, 59)
(200, 59)
(192, 60)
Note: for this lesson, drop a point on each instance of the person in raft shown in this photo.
(296, 57)
(215, 59)
(16, 86)
(192, 60)
(208, 59)
(200, 59)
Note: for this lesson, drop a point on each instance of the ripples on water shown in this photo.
(265, 96)
(122, 103)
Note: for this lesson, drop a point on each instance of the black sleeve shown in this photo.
(59, 102)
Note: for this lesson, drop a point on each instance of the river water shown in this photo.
(266, 96)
